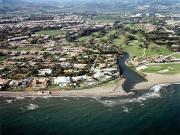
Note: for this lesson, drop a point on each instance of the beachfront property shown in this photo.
(69, 52)
(40, 82)
(61, 81)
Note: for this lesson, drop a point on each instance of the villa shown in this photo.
(44, 72)
(61, 81)
(3, 83)
(40, 82)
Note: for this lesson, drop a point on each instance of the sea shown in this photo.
(152, 112)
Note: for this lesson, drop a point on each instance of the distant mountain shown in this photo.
(82, 5)
(18, 5)
(9, 1)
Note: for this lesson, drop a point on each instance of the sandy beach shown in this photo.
(155, 79)
(101, 91)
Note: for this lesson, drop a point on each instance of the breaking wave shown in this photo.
(156, 91)
(32, 107)
(125, 109)
(9, 101)
(46, 97)
(19, 98)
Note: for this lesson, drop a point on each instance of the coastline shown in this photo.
(155, 79)
(100, 91)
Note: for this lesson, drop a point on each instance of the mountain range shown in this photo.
(87, 5)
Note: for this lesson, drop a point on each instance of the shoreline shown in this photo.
(114, 90)
(156, 79)
(99, 91)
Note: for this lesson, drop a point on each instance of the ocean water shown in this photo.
(156, 112)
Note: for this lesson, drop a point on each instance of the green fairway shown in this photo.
(120, 40)
(50, 32)
(134, 49)
(177, 56)
(163, 68)
(154, 50)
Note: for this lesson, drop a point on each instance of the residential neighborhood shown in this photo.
(31, 60)
(68, 51)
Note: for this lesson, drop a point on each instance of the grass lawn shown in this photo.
(50, 32)
(120, 40)
(163, 68)
(154, 50)
(84, 38)
(135, 50)
(105, 37)
(132, 48)
(177, 56)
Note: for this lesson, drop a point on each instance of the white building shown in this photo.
(79, 78)
(43, 72)
(61, 81)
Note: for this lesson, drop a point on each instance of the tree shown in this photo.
(91, 41)
(104, 41)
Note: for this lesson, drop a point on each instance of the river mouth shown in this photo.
(131, 77)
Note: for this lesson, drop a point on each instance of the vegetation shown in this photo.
(133, 42)
(134, 49)
(50, 32)
(2, 58)
(163, 68)
(84, 38)
(177, 55)
(154, 50)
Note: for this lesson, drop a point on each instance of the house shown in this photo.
(90, 81)
(80, 66)
(112, 70)
(98, 75)
(3, 83)
(63, 59)
(25, 82)
(79, 78)
(14, 83)
(102, 65)
(44, 72)
(61, 81)
(41, 82)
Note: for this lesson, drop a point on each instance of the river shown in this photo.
(131, 77)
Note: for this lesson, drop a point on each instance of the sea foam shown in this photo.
(9, 101)
(155, 92)
(32, 107)
(20, 98)
(125, 109)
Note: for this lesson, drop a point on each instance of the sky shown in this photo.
(88, 1)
